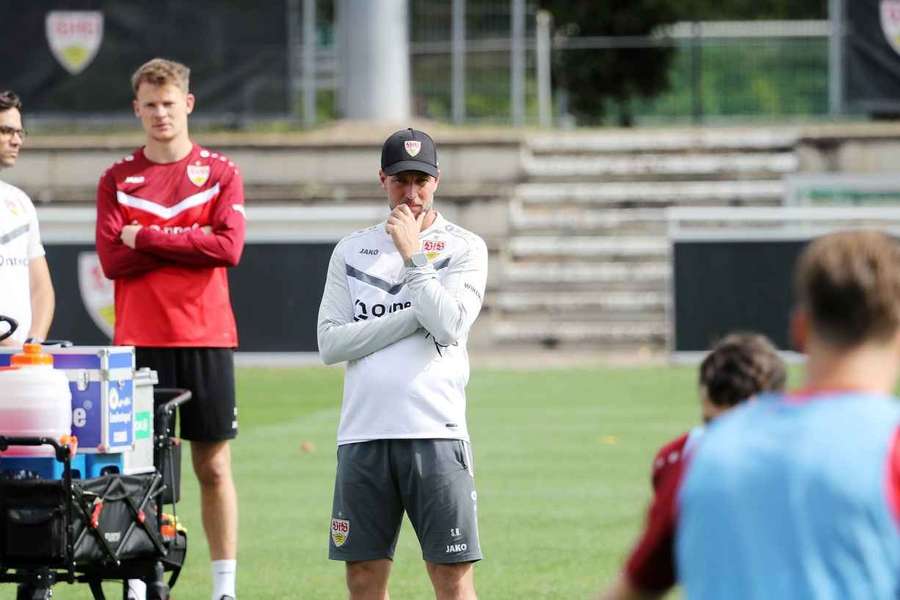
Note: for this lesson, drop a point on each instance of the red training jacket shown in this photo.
(172, 289)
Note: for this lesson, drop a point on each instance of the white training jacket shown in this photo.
(20, 243)
(403, 332)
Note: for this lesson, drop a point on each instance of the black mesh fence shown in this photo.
(71, 61)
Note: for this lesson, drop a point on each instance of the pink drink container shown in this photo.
(34, 401)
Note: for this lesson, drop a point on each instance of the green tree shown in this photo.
(599, 80)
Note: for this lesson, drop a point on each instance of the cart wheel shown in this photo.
(26, 592)
(156, 587)
(158, 592)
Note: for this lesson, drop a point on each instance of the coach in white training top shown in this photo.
(26, 291)
(398, 304)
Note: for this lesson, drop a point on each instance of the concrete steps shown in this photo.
(664, 167)
(627, 335)
(574, 221)
(643, 275)
(587, 247)
(650, 194)
(649, 140)
(586, 262)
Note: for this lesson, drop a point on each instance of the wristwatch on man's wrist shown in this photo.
(417, 260)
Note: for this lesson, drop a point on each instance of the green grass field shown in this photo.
(562, 467)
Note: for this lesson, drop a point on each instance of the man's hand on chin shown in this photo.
(404, 229)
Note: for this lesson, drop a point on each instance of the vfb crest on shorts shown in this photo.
(74, 37)
(412, 147)
(198, 174)
(340, 531)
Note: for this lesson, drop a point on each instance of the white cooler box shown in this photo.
(112, 405)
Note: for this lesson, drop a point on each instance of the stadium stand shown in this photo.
(587, 260)
(578, 223)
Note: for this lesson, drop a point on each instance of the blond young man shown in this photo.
(26, 290)
(170, 222)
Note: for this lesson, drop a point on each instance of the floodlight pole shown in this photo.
(375, 72)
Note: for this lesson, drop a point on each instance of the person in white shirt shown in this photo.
(26, 291)
(399, 300)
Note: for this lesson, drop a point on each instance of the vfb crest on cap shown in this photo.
(198, 174)
(340, 531)
(412, 147)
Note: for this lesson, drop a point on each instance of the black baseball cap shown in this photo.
(409, 150)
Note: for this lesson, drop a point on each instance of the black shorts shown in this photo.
(211, 414)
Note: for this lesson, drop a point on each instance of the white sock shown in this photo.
(137, 589)
(223, 573)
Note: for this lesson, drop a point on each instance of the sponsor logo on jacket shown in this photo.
(363, 311)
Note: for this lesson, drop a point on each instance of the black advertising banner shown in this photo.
(77, 56)
(720, 287)
(872, 56)
(275, 292)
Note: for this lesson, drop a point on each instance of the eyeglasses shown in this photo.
(7, 131)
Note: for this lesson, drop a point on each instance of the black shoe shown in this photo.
(227, 598)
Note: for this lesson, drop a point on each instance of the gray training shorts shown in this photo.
(432, 480)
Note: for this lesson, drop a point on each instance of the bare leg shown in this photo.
(218, 498)
(368, 579)
(453, 582)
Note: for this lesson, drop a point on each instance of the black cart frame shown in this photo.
(35, 581)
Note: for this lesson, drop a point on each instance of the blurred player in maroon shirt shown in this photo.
(170, 221)
(740, 366)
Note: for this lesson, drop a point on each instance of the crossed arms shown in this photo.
(126, 249)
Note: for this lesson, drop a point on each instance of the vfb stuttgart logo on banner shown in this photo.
(74, 37)
(96, 292)
(890, 22)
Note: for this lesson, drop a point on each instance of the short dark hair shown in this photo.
(849, 285)
(8, 100)
(741, 365)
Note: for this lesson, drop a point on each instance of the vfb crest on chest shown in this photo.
(198, 173)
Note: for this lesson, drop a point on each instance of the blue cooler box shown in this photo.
(101, 379)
